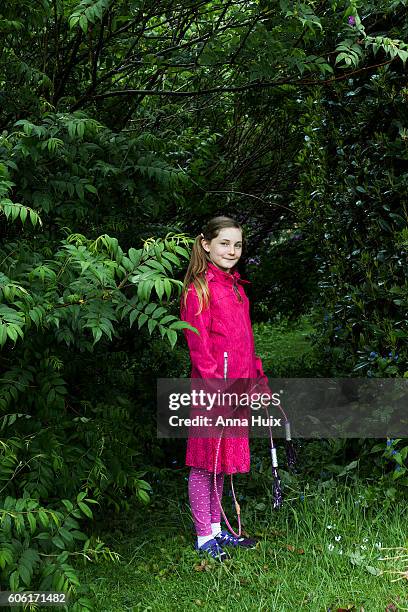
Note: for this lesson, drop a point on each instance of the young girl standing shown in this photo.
(214, 301)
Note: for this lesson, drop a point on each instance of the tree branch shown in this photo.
(232, 89)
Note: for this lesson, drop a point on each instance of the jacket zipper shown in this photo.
(239, 296)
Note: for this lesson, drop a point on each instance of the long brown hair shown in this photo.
(199, 259)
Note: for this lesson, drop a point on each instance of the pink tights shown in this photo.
(204, 505)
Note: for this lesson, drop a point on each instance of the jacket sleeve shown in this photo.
(199, 345)
(263, 379)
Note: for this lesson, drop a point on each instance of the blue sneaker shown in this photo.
(224, 538)
(213, 549)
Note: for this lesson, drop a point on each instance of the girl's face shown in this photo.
(225, 249)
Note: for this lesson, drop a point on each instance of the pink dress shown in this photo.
(224, 326)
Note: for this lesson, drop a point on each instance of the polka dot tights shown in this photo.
(204, 505)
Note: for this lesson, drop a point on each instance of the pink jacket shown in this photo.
(224, 326)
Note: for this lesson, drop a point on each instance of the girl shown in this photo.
(213, 300)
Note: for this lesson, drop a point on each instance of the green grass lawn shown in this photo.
(285, 348)
(319, 553)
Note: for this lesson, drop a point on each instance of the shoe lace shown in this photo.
(228, 538)
(215, 549)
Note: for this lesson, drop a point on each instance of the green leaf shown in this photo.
(97, 334)
(159, 288)
(68, 504)
(79, 535)
(172, 336)
(12, 333)
(167, 288)
(42, 515)
(156, 265)
(73, 20)
(83, 23)
(3, 334)
(182, 251)
(373, 570)
(14, 580)
(25, 574)
(58, 542)
(66, 534)
(167, 318)
(133, 316)
(135, 256)
(172, 258)
(356, 558)
(342, 56)
(85, 509)
(151, 325)
(91, 188)
(23, 214)
(143, 496)
(178, 325)
(6, 555)
(158, 312)
(80, 191)
(142, 319)
(34, 218)
(32, 522)
(150, 307)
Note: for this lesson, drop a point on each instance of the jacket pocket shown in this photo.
(218, 328)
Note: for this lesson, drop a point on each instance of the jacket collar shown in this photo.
(215, 273)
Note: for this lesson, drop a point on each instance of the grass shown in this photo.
(319, 552)
(284, 346)
(297, 564)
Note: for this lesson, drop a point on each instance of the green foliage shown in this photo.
(55, 306)
(290, 267)
(285, 348)
(83, 288)
(37, 541)
(61, 299)
(82, 170)
(88, 11)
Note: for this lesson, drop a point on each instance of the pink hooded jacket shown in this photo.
(224, 326)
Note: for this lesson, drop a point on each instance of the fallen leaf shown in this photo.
(391, 608)
(276, 532)
(203, 566)
(299, 551)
